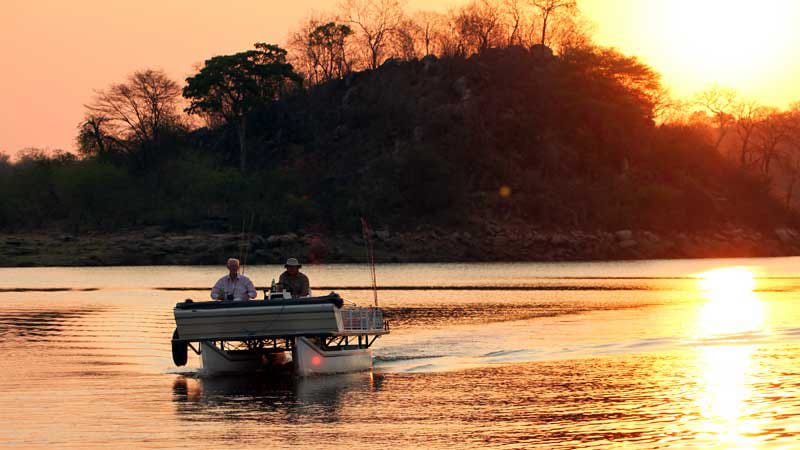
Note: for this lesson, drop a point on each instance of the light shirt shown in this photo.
(241, 288)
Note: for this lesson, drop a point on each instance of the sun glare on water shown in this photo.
(732, 306)
(729, 323)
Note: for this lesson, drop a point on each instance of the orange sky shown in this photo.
(56, 52)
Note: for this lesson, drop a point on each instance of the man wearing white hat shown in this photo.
(294, 281)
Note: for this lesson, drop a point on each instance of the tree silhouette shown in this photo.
(375, 22)
(548, 8)
(478, 25)
(322, 49)
(720, 103)
(231, 86)
(131, 115)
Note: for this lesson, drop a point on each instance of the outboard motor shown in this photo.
(180, 350)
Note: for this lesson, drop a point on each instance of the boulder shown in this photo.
(542, 53)
(624, 235)
(628, 243)
(281, 239)
(650, 236)
(391, 62)
(418, 134)
(429, 64)
(786, 235)
(349, 97)
(462, 88)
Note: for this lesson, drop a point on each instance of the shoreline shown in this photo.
(491, 243)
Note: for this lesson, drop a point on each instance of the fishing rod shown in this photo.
(244, 245)
(366, 231)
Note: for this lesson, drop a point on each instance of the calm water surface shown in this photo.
(655, 354)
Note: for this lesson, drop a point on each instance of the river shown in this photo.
(645, 354)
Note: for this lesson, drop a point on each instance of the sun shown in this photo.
(732, 42)
(747, 45)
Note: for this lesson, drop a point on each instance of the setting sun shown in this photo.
(741, 44)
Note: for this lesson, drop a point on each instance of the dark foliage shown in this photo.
(566, 141)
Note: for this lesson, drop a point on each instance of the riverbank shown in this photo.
(492, 242)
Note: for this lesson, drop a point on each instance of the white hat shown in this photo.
(292, 262)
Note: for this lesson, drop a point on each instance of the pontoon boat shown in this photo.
(322, 335)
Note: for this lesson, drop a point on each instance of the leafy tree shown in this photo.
(231, 86)
(326, 47)
(5, 162)
(93, 140)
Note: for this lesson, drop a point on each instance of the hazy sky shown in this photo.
(56, 52)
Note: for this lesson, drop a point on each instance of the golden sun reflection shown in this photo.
(732, 306)
(725, 393)
(731, 316)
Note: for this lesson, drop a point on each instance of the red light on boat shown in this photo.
(316, 360)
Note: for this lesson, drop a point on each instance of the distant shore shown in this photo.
(491, 242)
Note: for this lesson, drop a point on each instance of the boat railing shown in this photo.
(363, 319)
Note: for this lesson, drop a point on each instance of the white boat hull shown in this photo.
(311, 360)
(308, 360)
(217, 361)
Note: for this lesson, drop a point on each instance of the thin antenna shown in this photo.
(244, 246)
(247, 244)
(367, 232)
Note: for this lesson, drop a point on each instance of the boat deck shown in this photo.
(274, 319)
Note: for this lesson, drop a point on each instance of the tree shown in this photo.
(548, 8)
(323, 50)
(747, 114)
(5, 162)
(570, 32)
(428, 30)
(406, 42)
(520, 24)
(639, 80)
(720, 103)
(132, 114)
(92, 138)
(790, 159)
(769, 132)
(478, 25)
(231, 86)
(375, 22)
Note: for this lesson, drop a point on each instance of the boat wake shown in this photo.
(491, 347)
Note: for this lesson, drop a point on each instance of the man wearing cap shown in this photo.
(233, 287)
(294, 281)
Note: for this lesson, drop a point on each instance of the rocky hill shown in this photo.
(509, 154)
